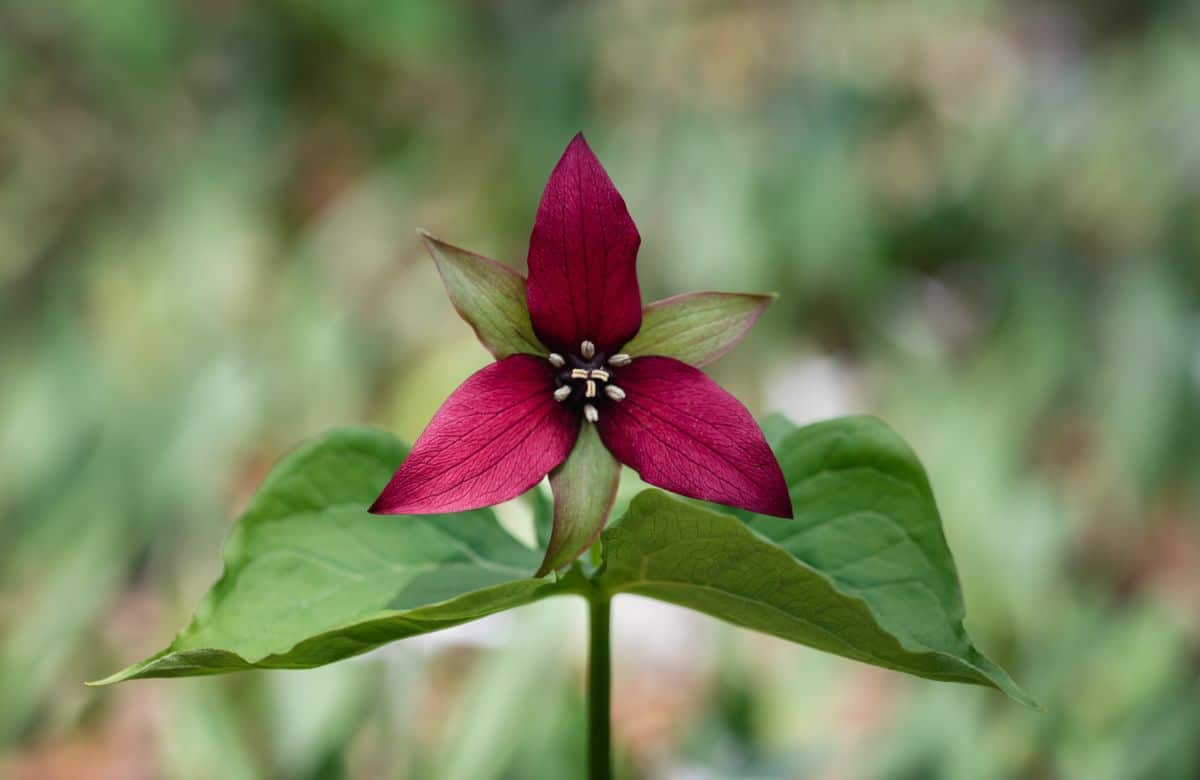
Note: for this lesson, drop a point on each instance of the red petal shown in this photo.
(680, 431)
(495, 437)
(582, 255)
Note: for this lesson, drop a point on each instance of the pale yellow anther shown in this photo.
(615, 393)
(620, 359)
(556, 360)
(587, 349)
(562, 393)
(590, 392)
(579, 373)
(590, 413)
(600, 373)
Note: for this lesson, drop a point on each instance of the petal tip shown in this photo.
(783, 510)
(582, 281)
(778, 500)
(380, 508)
(578, 146)
(774, 503)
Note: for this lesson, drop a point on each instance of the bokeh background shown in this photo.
(984, 222)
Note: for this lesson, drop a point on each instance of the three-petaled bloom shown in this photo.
(571, 364)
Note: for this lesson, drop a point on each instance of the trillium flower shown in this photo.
(585, 379)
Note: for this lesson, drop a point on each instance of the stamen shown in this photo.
(587, 349)
(579, 373)
(600, 373)
(590, 413)
(562, 393)
(590, 392)
(614, 392)
(620, 359)
(556, 360)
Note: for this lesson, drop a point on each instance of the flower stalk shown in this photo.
(599, 686)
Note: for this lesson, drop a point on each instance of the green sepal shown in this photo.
(584, 488)
(489, 295)
(697, 328)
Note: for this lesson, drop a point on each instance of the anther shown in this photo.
(562, 393)
(620, 359)
(579, 373)
(556, 360)
(587, 349)
(600, 373)
(614, 392)
(590, 413)
(590, 392)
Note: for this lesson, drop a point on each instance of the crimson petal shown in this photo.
(495, 437)
(680, 431)
(582, 254)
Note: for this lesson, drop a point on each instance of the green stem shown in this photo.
(599, 688)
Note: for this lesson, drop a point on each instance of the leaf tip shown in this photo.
(112, 679)
(1014, 692)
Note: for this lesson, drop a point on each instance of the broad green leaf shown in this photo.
(776, 428)
(541, 503)
(862, 571)
(584, 486)
(490, 296)
(310, 577)
(697, 328)
(865, 516)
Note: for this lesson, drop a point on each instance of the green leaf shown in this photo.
(541, 504)
(310, 577)
(697, 328)
(490, 296)
(584, 486)
(776, 428)
(862, 571)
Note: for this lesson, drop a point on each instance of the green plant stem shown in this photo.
(599, 691)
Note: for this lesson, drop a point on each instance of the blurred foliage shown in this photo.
(984, 222)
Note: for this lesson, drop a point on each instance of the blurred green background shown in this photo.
(984, 222)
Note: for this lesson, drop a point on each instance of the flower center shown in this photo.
(585, 379)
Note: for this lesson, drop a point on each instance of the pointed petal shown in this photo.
(495, 437)
(680, 431)
(584, 486)
(699, 327)
(490, 296)
(582, 254)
